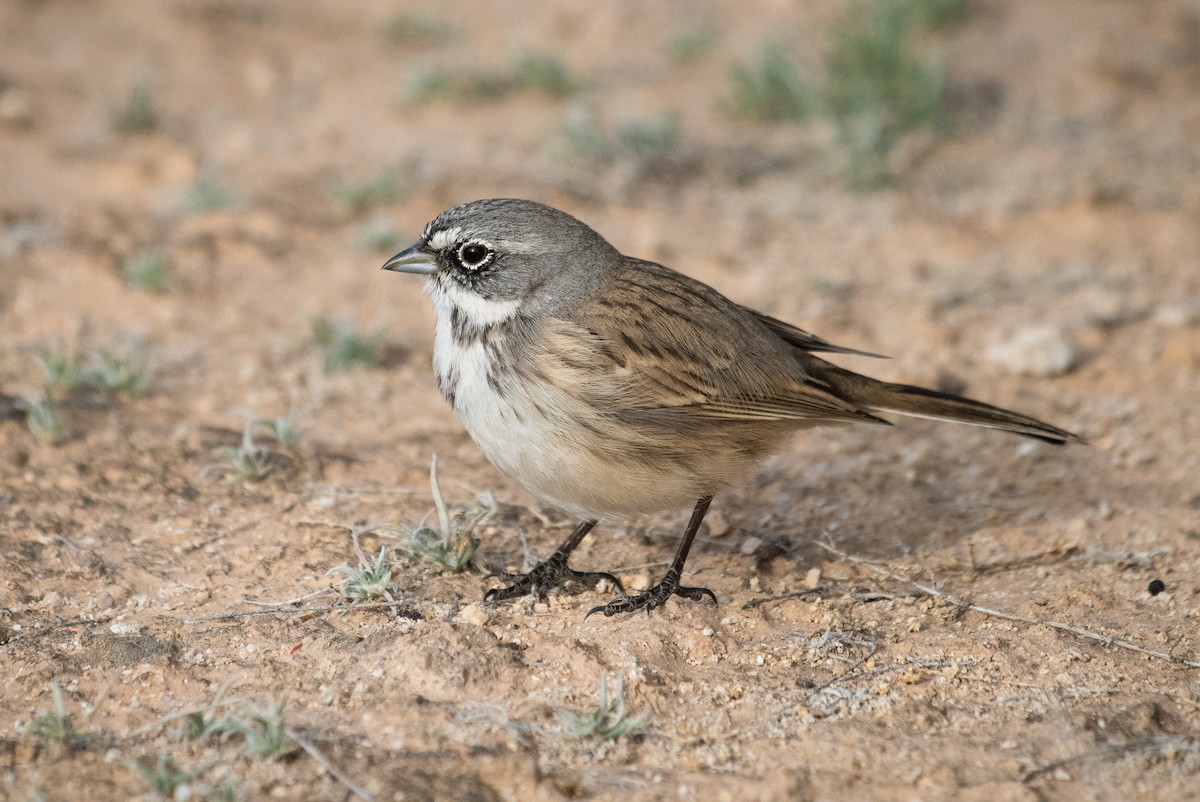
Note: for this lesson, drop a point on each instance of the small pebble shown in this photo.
(1157, 586)
(126, 628)
(750, 545)
(474, 613)
(812, 579)
(717, 525)
(1039, 350)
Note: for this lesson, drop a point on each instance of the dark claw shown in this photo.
(544, 576)
(654, 597)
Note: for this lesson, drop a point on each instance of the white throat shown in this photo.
(448, 295)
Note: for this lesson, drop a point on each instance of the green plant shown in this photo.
(936, 13)
(62, 370)
(458, 84)
(341, 347)
(42, 418)
(248, 462)
(125, 372)
(691, 45)
(147, 270)
(264, 730)
(282, 430)
(453, 543)
(608, 721)
(55, 725)
(540, 72)
(645, 141)
(649, 140)
(203, 724)
(138, 114)
(163, 776)
(545, 73)
(771, 88)
(370, 580)
(877, 87)
(208, 195)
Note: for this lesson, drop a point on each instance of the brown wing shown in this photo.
(658, 343)
(805, 341)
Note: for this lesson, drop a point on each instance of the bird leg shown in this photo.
(551, 572)
(669, 586)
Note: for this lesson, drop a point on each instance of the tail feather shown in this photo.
(905, 399)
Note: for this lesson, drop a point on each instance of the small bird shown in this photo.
(609, 386)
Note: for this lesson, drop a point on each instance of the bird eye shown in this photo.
(474, 255)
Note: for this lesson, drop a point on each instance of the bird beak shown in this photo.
(413, 259)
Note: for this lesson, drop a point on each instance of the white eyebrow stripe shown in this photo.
(445, 238)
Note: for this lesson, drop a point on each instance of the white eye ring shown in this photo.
(472, 247)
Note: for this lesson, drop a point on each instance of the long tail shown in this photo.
(877, 396)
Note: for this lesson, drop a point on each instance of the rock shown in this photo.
(1036, 350)
(1176, 315)
(474, 614)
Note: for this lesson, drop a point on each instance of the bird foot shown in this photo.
(544, 576)
(654, 597)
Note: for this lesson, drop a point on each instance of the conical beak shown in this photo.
(413, 259)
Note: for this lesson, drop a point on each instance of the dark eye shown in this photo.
(474, 255)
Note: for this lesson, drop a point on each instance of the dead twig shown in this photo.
(1078, 632)
(412, 615)
(1162, 743)
(330, 766)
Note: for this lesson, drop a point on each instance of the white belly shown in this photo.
(531, 432)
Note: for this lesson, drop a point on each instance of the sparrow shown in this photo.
(610, 386)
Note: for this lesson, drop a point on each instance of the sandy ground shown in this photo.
(1063, 211)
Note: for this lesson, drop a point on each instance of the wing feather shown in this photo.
(698, 357)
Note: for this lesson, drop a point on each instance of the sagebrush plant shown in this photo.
(453, 543)
(341, 347)
(609, 720)
(147, 270)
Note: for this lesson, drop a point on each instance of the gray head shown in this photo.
(512, 252)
